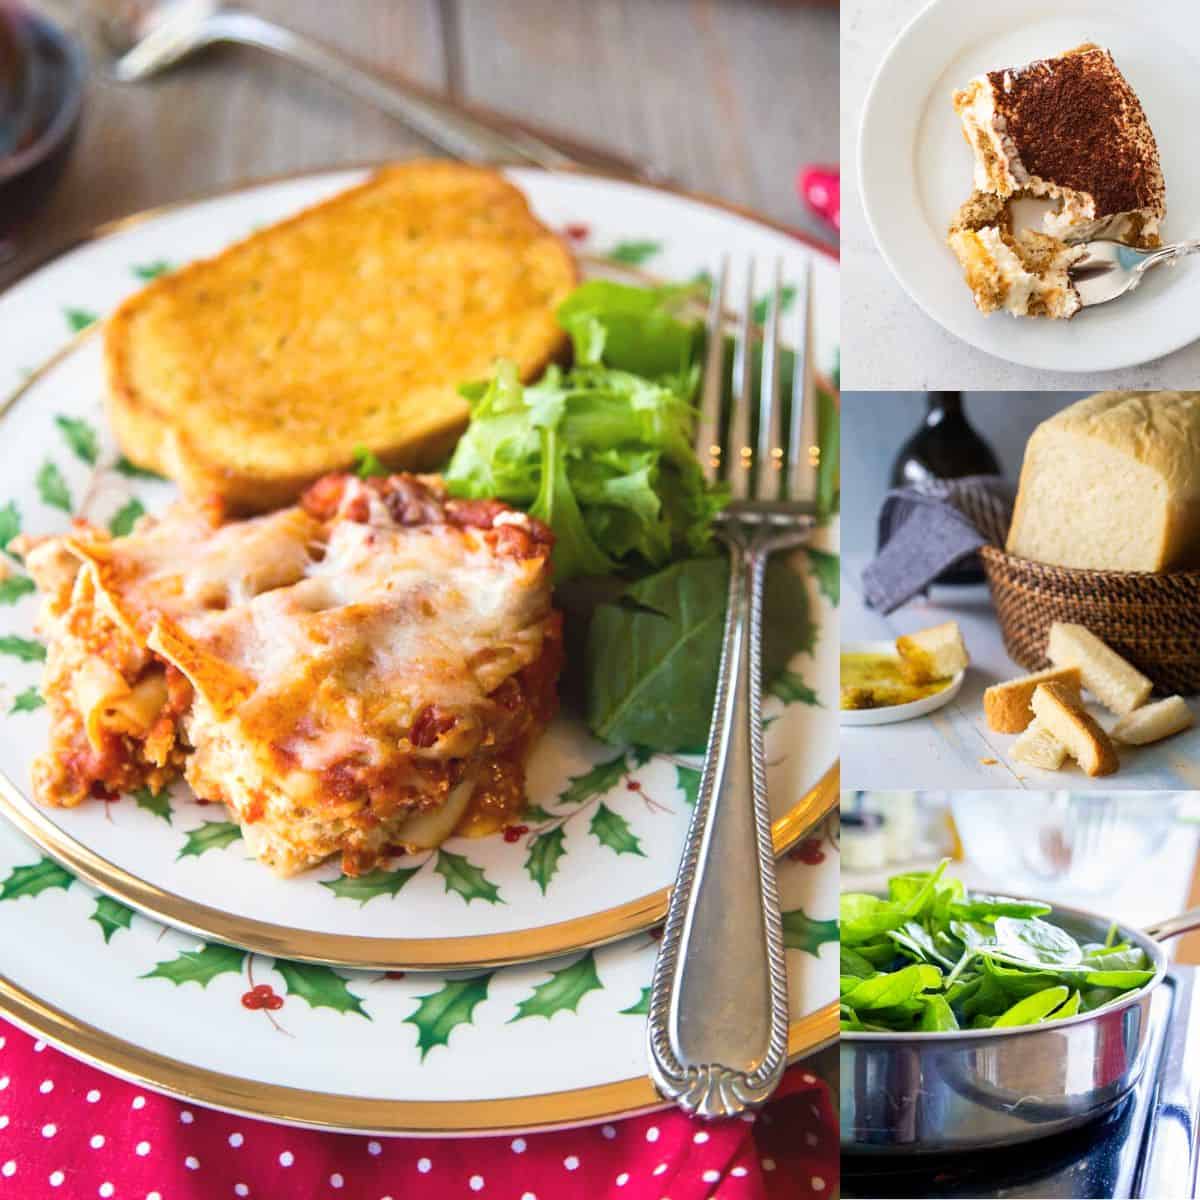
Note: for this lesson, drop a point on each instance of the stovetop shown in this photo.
(1145, 1147)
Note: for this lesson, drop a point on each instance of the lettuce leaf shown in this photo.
(601, 452)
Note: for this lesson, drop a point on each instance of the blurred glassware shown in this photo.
(1055, 841)
(864, 841)
(42, 72)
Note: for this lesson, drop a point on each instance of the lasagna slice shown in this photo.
(362, 673)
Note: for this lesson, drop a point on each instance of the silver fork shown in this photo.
(1110, 269)
(718, 1023)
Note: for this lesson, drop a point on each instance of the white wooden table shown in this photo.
(948, 749)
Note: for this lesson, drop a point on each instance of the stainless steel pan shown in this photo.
(938, 1093)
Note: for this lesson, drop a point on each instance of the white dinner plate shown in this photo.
(555, 1042)
(617, 815)
(915, 167)
(896, 712)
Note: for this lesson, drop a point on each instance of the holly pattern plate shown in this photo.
(591, 859)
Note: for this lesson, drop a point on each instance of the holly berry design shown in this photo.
(813, 851)
(262, 997)
(808, 851)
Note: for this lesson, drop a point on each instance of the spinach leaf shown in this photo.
(652, 653)
(1131, 959)
(938, 1016)
(1032, 1009)
(889, 990)
(652, 658)
(918, 941)
(981, 907)
(1036, 941)
(929, 956)
(856, 964)
(1124, 980)
(1067, 1010)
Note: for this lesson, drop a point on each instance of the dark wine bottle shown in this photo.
(946, 446)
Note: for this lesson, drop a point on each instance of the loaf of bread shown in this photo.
(1119, 686)
(1006, 705)
(1038, 747)
(935, 653)
(1065, 719)
(1154, 722)
(1113, 483)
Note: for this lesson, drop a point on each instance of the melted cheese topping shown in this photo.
(326, 640)
(348, 658)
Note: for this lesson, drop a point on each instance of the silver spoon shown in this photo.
(145, 37)
(1110, 269)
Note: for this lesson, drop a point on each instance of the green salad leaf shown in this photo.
(931, 957)
(601, 452)
(651, 656)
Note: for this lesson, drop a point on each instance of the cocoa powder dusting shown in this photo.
(1077, 123)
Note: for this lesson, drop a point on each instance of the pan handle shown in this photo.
(1173, 926)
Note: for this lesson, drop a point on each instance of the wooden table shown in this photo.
(953, 748)
(728, 97)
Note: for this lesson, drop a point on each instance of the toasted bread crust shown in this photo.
(1086, 742)
(351, 323)
(1006, 705)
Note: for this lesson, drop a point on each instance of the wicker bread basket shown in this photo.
(1152, 620)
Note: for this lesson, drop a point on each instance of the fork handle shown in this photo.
(718, 1006)
(1164, 254)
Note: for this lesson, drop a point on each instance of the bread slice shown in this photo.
(1119, 686)
(1154, 722)
(1038, 747)
(935, 653)
(1113, 483)
(351, 324)
(1006, 705)
(1063, 717)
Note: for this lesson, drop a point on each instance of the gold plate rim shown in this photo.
(300, 1106)
(361, 953)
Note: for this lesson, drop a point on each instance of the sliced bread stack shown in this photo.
(1047, 709)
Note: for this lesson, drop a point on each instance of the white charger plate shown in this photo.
(915, 168)
(895, 712)
(558, 1042)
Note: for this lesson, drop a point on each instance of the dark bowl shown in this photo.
(42, 74)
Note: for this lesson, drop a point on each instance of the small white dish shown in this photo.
(915, 168)
(895, 712)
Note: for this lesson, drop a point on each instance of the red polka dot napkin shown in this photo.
(69, 1132)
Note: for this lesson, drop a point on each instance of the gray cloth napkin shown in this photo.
(930, 526)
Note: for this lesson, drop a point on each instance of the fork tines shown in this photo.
(753, 458)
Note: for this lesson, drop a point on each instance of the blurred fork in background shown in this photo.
(138, 39)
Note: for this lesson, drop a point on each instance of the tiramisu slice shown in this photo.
(1070, 129)
(1024, 273)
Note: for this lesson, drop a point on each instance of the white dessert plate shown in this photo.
(595, 856)
(895, 712)
(915, 168)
